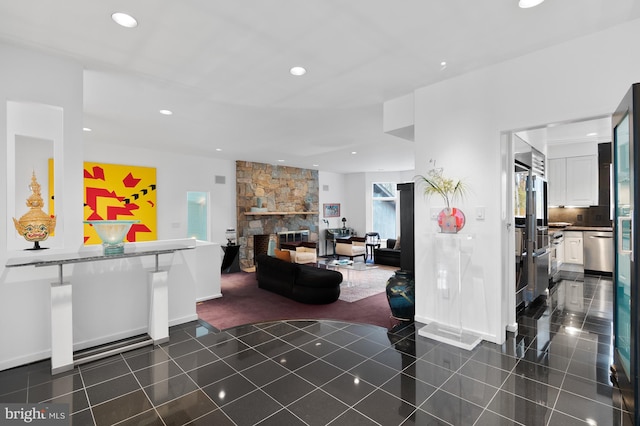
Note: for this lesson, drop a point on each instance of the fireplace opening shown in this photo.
(260, 245)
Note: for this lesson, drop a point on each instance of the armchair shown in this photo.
(305, 252)
(351, 247)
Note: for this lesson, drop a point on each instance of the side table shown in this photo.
(231, 260)
(369, 248)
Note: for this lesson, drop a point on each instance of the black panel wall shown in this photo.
(407, 237)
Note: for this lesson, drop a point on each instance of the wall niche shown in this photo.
(283, 199)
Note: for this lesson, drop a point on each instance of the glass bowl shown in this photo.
(112, 233)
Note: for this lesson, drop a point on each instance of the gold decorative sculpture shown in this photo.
(35, 225)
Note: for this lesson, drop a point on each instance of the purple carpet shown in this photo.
(242, 302)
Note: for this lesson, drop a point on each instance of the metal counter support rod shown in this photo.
(60, 276)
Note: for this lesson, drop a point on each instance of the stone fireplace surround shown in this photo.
(290, 198)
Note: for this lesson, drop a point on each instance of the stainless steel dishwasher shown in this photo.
(598, 251)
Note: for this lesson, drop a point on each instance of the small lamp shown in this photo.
(230, 235)
(344, 223)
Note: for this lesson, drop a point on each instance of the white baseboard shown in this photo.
(178, 321)
(22, 360)
(210, 297)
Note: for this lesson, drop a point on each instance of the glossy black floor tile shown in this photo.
(348, 388)
(229, 389)
(121, 408)
(170, 389)
(110, 389)
(55, 388)
(252, 408)
(158, 373)
(187, 408)
(554, 371)
(384, 408)
(318, 408)
(452, 409)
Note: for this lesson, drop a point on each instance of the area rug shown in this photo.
(243, 302)
(363, 284)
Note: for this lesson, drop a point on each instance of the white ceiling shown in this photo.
(589, 131)
(222, 67)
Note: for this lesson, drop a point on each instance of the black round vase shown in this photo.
(401, 295)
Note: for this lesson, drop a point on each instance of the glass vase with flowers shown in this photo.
(450, 219)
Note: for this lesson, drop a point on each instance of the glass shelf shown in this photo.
(50, 259)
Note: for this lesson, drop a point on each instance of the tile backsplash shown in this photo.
(581, 216)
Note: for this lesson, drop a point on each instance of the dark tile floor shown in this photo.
(553, 372)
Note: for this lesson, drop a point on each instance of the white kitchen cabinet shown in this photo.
(560, 253)
(582, 181)
(557, 179)
(573, 181)
(573, 244)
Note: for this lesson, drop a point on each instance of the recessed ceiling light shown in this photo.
(86, 129)
(124, 19)
(280, 161)
(298, 71)
(592, 134)
(443, 63)
(315, 165)
(218, 149)
(165, 112)
(353, 152)
(526, 4)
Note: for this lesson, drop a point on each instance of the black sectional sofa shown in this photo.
(387, 255)
(302, 283)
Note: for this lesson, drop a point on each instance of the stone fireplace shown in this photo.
(289, 198)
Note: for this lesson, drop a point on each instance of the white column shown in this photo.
(158, 306)
(61, 327)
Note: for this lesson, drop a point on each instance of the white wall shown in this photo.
(29, 77)
(459, 124)
(176, 175)
(355, 204)
(332, 190)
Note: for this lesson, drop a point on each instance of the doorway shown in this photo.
(561, 139)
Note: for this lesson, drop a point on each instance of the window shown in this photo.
(197, 215)
(385, 206)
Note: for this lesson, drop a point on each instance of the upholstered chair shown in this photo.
(351, 247)
(306, 252)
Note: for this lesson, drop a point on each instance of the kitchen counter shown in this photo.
(553, 229)
(568, 226)
(589, 228)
